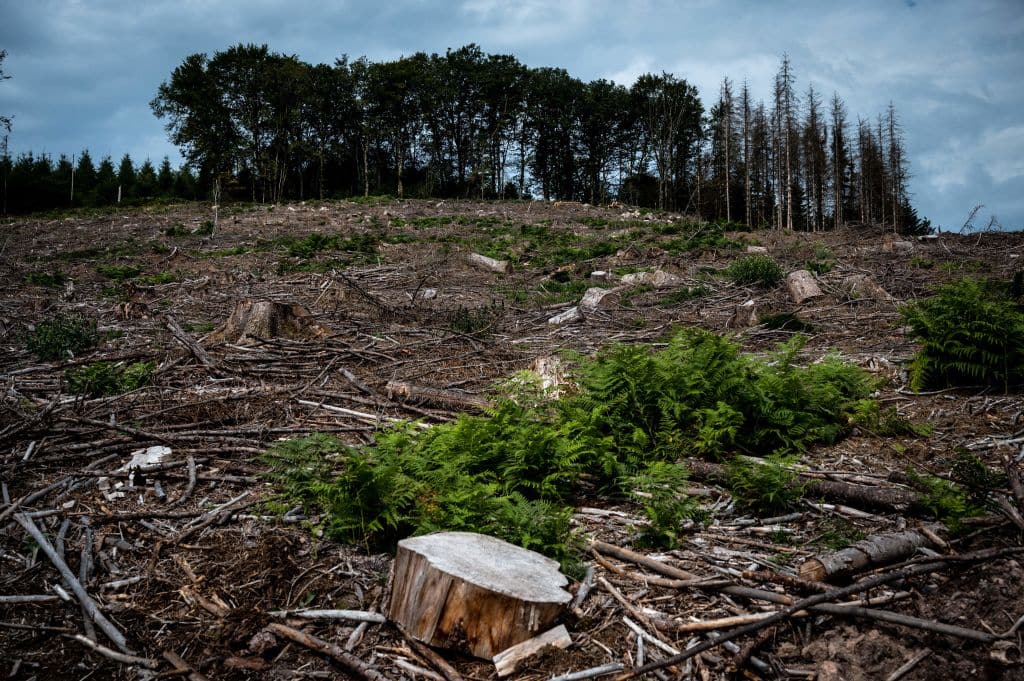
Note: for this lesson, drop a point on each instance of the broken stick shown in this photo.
(88, 604)
(350, 663)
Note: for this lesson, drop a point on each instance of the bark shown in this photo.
(890, 498)
(802, 286)
(499, 266)
(446, 399)
(513, 659)
(878, 550)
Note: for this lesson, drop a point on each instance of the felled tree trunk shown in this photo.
(500, 266)
(873, 551)
(856, 495)
(474, 593)
(802, 286)
(447, 399)
(267, 319)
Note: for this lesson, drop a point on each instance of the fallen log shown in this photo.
(347, 661)
(447, 399)
(573, 314)
(492, 264)
(474, 593)
(872, 497)
(592, 298)
(880, 549)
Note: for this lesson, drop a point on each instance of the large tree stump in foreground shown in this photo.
(267, 319)
(474, 593)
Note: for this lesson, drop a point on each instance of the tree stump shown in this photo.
(474, 593)
(802, 286)
(267, 319)
(863, 287)
(744, 316)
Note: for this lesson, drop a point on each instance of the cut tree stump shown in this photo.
(474, 593)
(863, 287)
(253, 319)
(802, 286)
(592, 298)
(880, 549)
(745, 315)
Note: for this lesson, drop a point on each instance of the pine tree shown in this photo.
(126, 177)
(165, 178)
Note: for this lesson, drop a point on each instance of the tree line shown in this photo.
(262, 126)
(33, 183)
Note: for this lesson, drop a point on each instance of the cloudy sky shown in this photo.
(83, 71)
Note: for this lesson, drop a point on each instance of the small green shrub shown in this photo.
(61, 338)
(49, 279)
(103, 379)
(786, 321)
(755, 270)
(204, 229)
(684, 294)
(945, 500)
(200, 327)
(765, 487)
(971, 472)
(309, 246)
(818, 266)
(836, 532)
(970, 333)
(476, 321)
(177, 230)
(658, 489)
(921, 263)
(164, 277)
(119, 272)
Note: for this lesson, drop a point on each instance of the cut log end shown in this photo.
(474, 593)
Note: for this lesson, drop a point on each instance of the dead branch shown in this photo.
(88, 604)
(347, 661)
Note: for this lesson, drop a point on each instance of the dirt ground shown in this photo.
(394, 298)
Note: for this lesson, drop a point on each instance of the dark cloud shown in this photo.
(84, 71)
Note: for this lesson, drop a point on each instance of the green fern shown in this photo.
(971, 333)
(659, 489)
(515, 471)
(765, 487)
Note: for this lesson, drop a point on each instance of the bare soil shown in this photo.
(409, 307)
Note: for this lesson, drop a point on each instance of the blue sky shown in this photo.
(83, 71)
